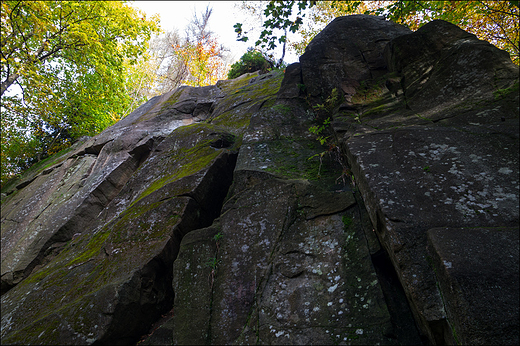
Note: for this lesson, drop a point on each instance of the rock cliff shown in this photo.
(214, 215)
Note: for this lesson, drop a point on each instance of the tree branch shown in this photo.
(8, 82)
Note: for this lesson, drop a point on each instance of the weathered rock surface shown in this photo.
(111, 264)
(475, 268)
(443, 153)
(347, 54)
(217, 209)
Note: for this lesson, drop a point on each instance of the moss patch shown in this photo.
(503, 93)
(168, 103)
(293, 159)
(180, 159)
(235, 120)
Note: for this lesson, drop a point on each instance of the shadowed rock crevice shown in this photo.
(140, 298)
(405, 329)
(219, 178)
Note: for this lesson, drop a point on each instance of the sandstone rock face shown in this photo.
(217, 209)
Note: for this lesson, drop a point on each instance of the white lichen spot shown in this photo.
(333, 288)
(329, 304)
(341, 300)
(447, 264)
(504, 170)
(359, 331)
(317, 271)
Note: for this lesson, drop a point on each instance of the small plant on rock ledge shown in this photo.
(323, 117)
(214, 261)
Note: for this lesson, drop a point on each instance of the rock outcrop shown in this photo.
(213, 215)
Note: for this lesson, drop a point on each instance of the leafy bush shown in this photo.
(251, 61)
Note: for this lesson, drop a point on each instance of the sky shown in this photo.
(177, 14)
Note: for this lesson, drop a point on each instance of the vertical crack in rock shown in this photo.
(403, 321)
(405, 329)
(209, 197)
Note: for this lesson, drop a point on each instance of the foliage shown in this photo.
(251, 61)
(64, 73)
(267, 40)
(494, 21)
(173, 60)
(203, 60)
(322, 116)
(318, 131)
(201, 53)
(214, 261)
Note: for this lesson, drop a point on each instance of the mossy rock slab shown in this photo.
(109, 282)
(114, 281)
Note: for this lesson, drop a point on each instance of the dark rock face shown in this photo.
(349, 52)
(475, 268)
(217, 209)
(442, 153)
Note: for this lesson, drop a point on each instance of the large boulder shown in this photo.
(435, 144)
(288, 261)
(347, 54)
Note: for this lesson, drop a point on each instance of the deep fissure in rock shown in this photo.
(219, 177)
(401, 315)
(406, 332)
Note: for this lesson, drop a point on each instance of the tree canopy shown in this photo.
(201, 53)
(65, 72)
(494, 21)
(195, 58)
